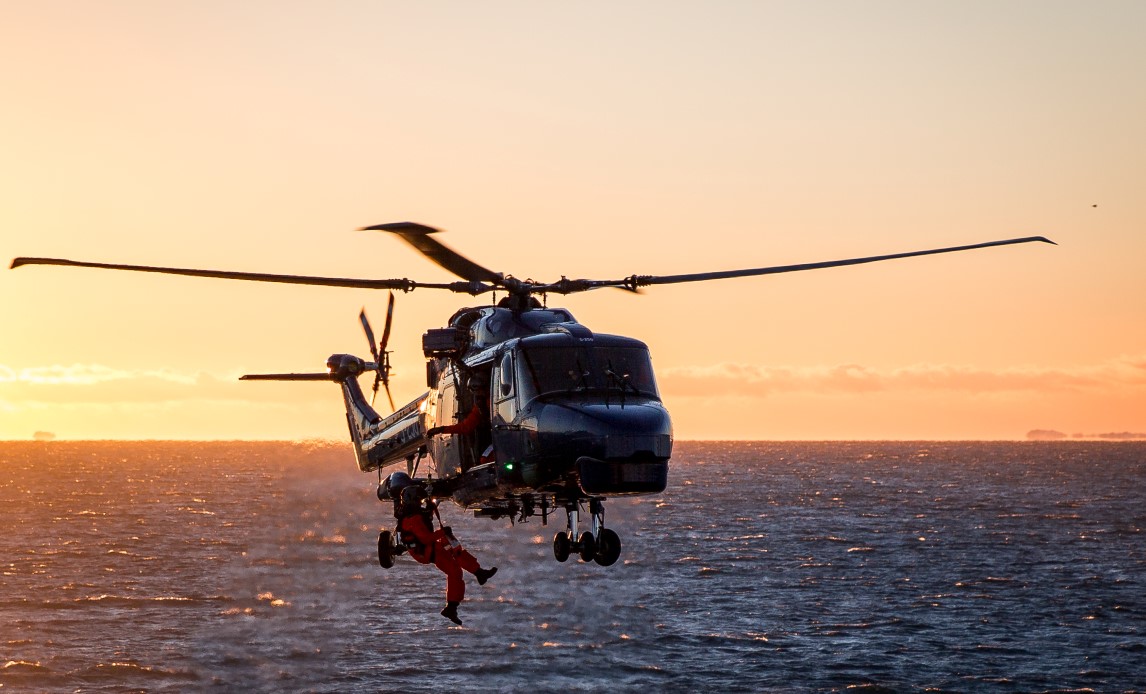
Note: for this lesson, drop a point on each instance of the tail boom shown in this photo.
(378, 442)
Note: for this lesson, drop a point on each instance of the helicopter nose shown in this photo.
(610, 419)
(621, 451)
(613, 450)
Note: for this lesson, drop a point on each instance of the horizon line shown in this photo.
(1127, 436)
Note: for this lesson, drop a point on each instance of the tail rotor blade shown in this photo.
(388, 396)
(374, 394)
(382, 357)
(369, 334)
(373, 351)
(386, 328)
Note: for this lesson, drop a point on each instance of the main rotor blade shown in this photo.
(418, 236)
(644, 280)
(403, 284)
(286, 377)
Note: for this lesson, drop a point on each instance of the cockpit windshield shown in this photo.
(613, 371)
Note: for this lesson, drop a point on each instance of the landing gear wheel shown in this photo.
(588, 546)
(608, 547)
(561, 546)
(385, 550)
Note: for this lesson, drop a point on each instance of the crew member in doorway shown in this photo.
(415, 513)
(476, 422)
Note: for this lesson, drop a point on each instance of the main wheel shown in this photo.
(608, 547)
(588, 546)
(561, 546)
(385, 550)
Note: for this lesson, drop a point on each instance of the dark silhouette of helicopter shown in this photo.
(573, 416)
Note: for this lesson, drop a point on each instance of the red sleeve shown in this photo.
(467, 425)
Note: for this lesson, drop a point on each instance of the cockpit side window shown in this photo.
(504, 390)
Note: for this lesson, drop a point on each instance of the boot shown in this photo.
(484, 575)
(451, 612)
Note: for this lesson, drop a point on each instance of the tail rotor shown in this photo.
(344, 366)
(379, 353)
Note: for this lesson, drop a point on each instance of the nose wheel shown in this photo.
(608, 547)
(601, 545)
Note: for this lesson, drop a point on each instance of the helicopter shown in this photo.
(567, 417)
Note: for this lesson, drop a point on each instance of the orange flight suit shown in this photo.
(434, 546)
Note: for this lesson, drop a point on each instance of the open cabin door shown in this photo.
(446, 451)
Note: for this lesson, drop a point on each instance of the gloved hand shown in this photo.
(449, 533)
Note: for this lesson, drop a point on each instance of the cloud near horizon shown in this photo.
(99, 383)
(83, 401)
(96, 383)
(760, 381)
(96, 401)
(85, 374)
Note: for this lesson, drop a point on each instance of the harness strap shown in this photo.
(438, 515)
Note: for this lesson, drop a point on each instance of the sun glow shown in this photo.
(781, 133)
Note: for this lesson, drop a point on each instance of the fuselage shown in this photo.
(571, 414)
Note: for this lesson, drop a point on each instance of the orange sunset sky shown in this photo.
(589, 139)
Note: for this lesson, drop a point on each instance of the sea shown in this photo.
(764, 567)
